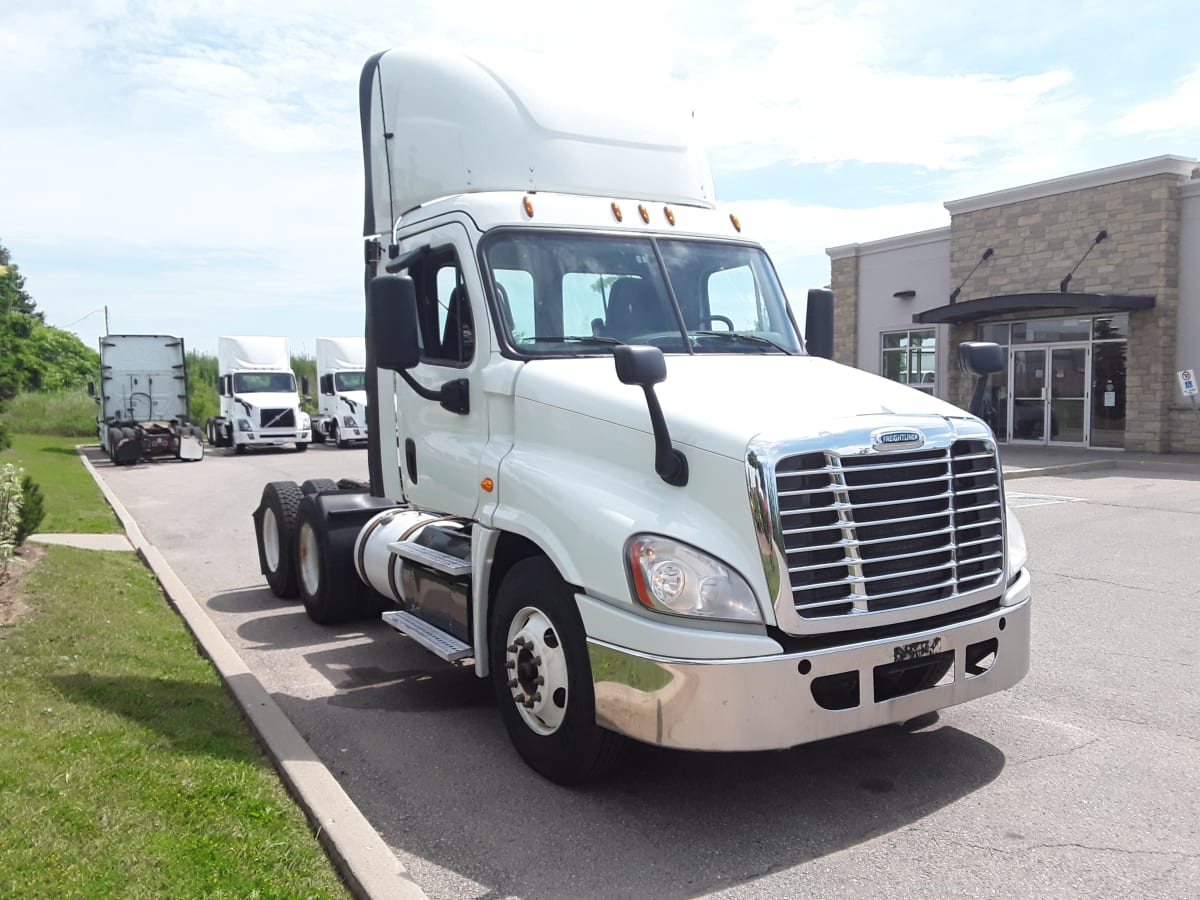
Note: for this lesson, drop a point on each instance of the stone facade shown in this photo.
(844, 281)
(1039, 240)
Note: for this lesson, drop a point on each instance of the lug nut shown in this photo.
(511, 664)
(537, 660)
(513, 648)
(512, 683)
(536, 698)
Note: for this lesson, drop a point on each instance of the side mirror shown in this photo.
(304, 386)
(981, 359)
(646, 367)
(818, 324)
(640, 365)
(392, 322)
(91, 389)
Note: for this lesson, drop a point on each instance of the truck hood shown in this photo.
(719, 403)
(356, 401)
(266, 401)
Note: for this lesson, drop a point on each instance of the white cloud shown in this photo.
(1176, 113)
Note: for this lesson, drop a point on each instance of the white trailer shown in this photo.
(143, 399)
(763, 549)
(342, 391)
(260, 406)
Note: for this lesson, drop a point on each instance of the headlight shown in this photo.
(305, 421)
(348, 422)
(674, 578)
(1018, 551)
(244, 425)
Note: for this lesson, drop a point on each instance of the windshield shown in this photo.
(581, 294)
(264, 383)
(350, 381)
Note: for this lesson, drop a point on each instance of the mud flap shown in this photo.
(190, 448)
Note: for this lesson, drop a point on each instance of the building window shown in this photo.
(909, 358)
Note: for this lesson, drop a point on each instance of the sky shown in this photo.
(196, 167)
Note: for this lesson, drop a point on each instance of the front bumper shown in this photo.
(272, 437)
(769, 703)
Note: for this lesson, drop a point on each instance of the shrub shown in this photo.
(33, 509)
(10, 513)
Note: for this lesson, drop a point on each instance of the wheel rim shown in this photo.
(536, 668)
(270, 532)
(308, 563)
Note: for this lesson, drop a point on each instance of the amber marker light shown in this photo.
(616, 208)
(529, 206)
(670, 214)
(488, 485)
(645, 213)
(737, 223)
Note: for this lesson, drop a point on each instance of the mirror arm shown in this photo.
(453, 395)
(669, 462)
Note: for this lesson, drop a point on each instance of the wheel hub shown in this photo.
(536, 669)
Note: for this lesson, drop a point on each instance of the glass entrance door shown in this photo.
(1027, 390)
(1049, 391)
(1068, 395)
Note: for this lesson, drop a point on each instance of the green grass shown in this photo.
(68, 413)
(73, 502)
(125, 768)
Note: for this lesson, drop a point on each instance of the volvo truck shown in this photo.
(342, 391)
(143, 400)
(609, 469)
(260, 404)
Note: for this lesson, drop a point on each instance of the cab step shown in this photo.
(434, 559)
(438, 642)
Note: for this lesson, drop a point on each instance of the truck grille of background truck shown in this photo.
(873, 532)
(278, 418)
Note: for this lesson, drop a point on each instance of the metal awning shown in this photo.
(987, 307)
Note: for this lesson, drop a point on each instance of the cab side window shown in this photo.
(443, 310)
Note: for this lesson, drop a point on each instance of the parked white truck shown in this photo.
(143, 399)
(260, 406)
(342, 389)
(609, 471)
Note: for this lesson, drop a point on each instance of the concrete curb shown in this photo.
(366, 863)
(1060, 469)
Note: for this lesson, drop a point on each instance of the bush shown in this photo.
(203, 401)
(33, 509)
(68, 413)
(5, 443)
(10, 514)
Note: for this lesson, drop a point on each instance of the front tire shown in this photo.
(275, 524)
(301, 447)
(542, 677)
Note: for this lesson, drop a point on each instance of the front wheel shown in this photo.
(542, 677)
(301, 446)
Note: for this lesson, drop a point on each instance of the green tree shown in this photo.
(203, 401)
(13, 296)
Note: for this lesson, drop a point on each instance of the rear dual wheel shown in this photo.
(275, 521)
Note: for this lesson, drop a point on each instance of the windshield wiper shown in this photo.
(748, 338)
(574, 338)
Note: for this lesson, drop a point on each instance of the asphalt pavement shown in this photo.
(1079, 782)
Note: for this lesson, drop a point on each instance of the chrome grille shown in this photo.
(879, 531)
(278, 418)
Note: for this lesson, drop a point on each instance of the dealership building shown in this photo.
(1090, 282)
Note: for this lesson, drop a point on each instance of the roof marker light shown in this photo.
(670, 214)
(737, 223)
(617, 211)
(645, 213)
(529, 206)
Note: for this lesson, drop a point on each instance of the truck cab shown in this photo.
(260, 404)
(342, 391)
(611, 471)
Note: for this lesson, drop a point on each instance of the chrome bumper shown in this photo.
(767, 703)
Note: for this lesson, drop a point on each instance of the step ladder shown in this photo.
(434, 559)
(440, 643)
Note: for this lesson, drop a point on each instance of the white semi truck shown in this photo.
(143, 399)
(608, 469)
(342, 389)
(260, 406)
